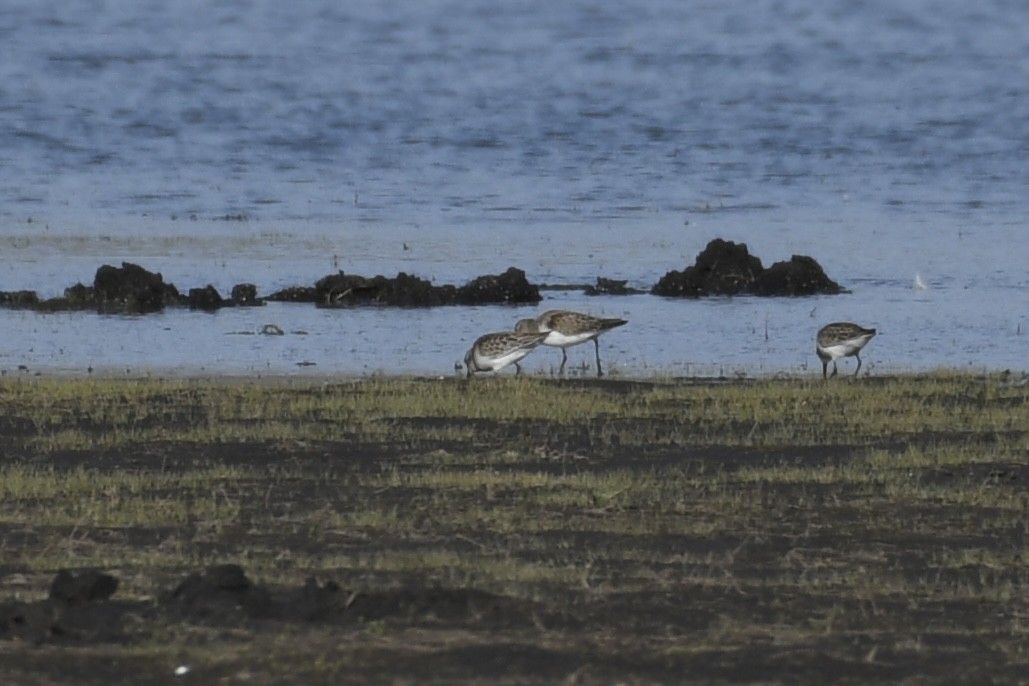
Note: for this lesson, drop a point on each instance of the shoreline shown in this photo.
(1014, 377)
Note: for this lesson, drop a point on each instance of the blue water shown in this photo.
(221, 142)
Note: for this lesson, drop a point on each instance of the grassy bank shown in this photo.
(781, 529)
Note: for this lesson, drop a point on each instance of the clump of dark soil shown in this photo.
(19, 300)
(511, 287)
(728, 268)
(245, 295)
(722, 268)
(405, 290)
(77, 608)
(611, 287)
(801, 275)
(130, 289)
(80, 609)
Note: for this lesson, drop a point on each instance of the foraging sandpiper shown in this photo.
(494, 351)
(565, 329)
(841, 339)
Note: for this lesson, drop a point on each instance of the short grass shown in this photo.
(888, 514)
(105, 413)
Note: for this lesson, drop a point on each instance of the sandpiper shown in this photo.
(841, 339)
(494, 351)
(565, 329)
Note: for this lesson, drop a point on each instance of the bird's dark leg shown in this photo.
(564, 358)
(859, 365)
(596, 344)
(825, 369)
(834, 369)
(518, 369)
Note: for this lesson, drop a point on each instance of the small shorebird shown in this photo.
(841, 339)
(565, 329)
(494, 351)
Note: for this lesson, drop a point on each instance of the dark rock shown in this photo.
(131, 288)
(245, 295)
(509, 287)
(207, 298)
(611, 287)
(801, 275)
(85, 587)
(722, 268)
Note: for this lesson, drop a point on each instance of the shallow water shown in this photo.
(230, 142)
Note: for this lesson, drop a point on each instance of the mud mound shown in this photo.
(133, 289)
(611, 287)
(801, 275)
(222, 595)
(19, 300)
(85, 587)
(722, 268)
(80, 609)
(405, 290)
(129, 289)
(728, 268)
(509, 287)
(245, 295)
(207, 298)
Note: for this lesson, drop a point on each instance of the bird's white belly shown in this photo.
(497, 363)
(845, 348)
(557, 339)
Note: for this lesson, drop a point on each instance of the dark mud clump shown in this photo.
(19, 300)
(132, 289)
(405, 290)
(80, 609)
(245, 295)
(722, 268)
(511, 287)
(801, 275)
(207, 298)
(222, 593)
(295, 294)
(129, 289)
(611, 287)
(728, 268)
